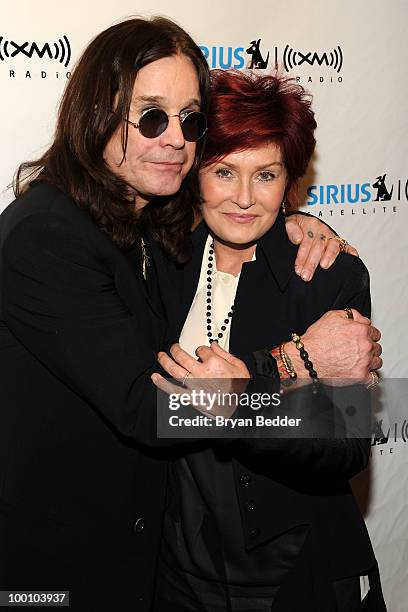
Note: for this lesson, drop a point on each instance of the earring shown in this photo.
(283, 207)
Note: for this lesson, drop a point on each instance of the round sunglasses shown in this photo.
(155, 121)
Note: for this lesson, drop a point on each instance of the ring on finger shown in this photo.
(349, 312)
(374, 380)
(342, 243)
(183, 382)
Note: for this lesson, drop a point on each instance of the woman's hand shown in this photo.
(216, 371)
(316, 244)
(343, 351)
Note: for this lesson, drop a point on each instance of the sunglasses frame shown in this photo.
(137, 125)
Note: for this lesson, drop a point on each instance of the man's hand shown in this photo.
(340, 348)
(316, 244)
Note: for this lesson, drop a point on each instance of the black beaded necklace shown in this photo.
(209, 301)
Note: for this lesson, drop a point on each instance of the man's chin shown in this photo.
(168, 189)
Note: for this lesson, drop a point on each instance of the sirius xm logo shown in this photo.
(22, 57)
(378, 195)
(384, 437)
(308, 65)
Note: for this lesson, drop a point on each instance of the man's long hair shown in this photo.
(74, 162)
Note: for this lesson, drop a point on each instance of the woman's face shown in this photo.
(242, 194)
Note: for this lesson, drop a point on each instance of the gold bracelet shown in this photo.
(282, 371)
(287, 362)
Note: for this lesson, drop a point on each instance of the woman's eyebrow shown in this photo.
(274, 163)
(235, 166)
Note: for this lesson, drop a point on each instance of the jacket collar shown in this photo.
(279, 252)
(199, 236)
(192, 269)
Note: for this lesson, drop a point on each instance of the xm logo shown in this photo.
(332, 59)
(60, 50)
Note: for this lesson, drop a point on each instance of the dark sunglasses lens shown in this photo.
(194, 126)
(153, 123)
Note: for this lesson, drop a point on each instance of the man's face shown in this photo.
(157, 166)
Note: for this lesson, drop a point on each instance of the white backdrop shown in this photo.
(352, 56)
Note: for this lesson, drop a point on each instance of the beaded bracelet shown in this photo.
(306, 361)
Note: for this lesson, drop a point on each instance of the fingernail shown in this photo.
(298, 269)
(324, 263)
(306, 275)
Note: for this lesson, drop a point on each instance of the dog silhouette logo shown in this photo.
(379, 437)
(257, 61)
(382, 192)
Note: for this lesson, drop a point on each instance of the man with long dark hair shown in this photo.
(82, 319)
(81, 500)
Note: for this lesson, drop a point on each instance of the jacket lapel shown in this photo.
(168, 279)
(191, 275)
(132, 284)
(279, 252)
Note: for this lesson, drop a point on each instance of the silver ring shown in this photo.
(375, 379)
(183, 382)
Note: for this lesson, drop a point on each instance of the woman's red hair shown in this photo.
(249, 111)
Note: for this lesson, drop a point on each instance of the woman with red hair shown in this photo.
(265, 525)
